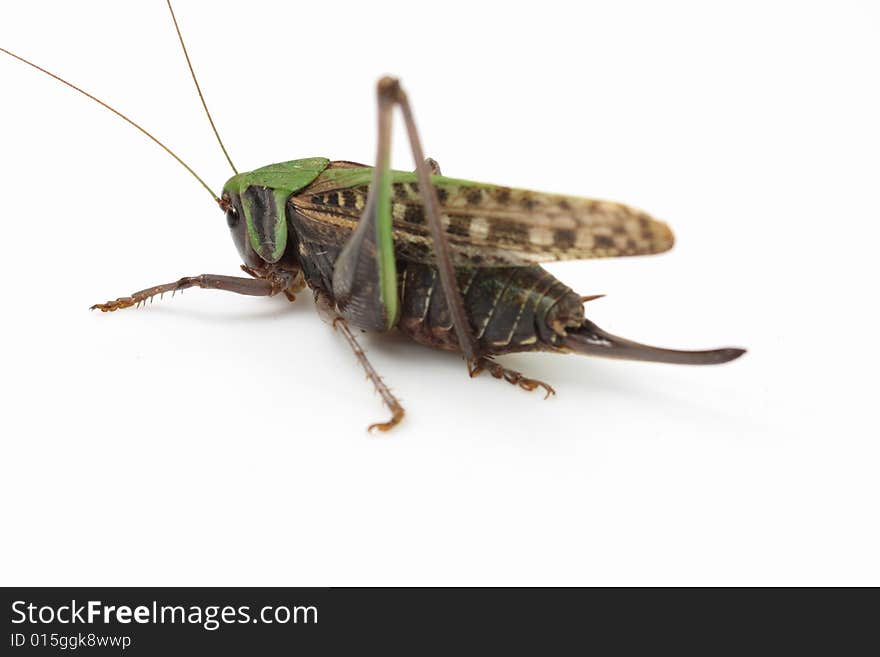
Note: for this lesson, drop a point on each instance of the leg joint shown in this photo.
(389, 89)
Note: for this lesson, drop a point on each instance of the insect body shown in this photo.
(495, 234)
(453, 264)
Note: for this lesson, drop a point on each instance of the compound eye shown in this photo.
(231, 217)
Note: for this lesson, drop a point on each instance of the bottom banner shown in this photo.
(169, 621)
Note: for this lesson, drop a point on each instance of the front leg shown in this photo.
(257, 287)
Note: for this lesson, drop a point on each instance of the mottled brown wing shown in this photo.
(487, 225)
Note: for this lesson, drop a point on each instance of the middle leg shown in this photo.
(328, 313)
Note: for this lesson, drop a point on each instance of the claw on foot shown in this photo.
(396, 417)
(511, 376)
(111, 306)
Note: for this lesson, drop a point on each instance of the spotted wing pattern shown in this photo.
(487, 225)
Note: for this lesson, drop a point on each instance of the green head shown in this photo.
(255, 205)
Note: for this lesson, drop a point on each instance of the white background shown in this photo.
(214, 439)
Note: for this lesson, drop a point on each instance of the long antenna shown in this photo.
(120, 115)
(199, 89)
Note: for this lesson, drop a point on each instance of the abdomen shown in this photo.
(510, 308)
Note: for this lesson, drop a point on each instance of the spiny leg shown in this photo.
(328, 313)
(365, 272)
(390, 88)
(390, 400)
(239, 285)
(364, 280)
(511, 376)
(467, 342)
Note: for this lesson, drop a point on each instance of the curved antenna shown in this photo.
(120, 115)
(199, 89)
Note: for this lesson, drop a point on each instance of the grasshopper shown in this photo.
(452, 264)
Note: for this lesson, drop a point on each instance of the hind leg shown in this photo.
(511, 376)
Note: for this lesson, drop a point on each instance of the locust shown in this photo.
(452, 264)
